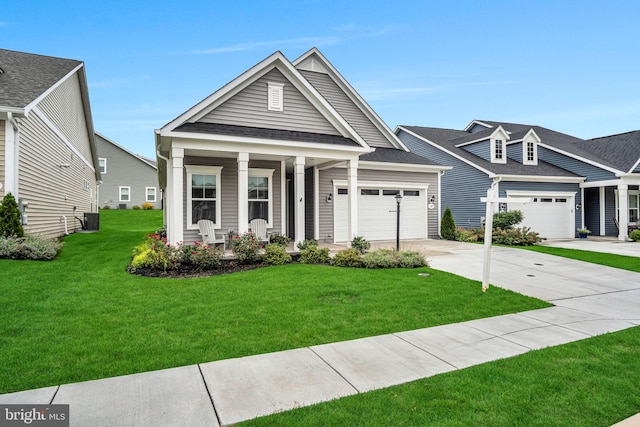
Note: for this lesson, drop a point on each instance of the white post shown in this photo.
(488, 229)
(623, 209)
(175, 228)
(352, 183)
(602, 211)
(243, 192)
(299, 200)
(283, 197)
(316, 203)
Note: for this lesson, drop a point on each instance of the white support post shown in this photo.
(299, 199)
(243, 192)
(602, 211)
(176, 227)
(488, 229)
(316, 203)
(582, 222)
(352, 182)
(623, 209)
(283, 197)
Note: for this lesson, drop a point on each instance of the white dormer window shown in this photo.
(530, 153)
(276, 97)
(498, 151)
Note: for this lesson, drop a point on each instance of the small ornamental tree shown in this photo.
(448, 225)
(10, 217)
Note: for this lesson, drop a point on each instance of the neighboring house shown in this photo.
(293, 143)
(127, 179)
(571, 183)
(48, 156)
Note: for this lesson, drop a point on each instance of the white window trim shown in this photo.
(525, 152)
(629, 193)
(204, 170)
(155, 194)
(503, 143)
(275, 100)
(105, 165)
(265, 173)
(120, 188)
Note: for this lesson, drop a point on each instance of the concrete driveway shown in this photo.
(589, 300)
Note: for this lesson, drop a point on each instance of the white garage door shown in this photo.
(551, 217)
(377, 214)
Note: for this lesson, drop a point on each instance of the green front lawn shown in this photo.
(82, 316)
(611, 260)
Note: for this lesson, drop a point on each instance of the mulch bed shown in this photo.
(188, 271)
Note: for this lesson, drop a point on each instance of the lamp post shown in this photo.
(398, 198)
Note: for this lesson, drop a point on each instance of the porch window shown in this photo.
(633, 209)
(125, 194)
(203, 194)
(261, 194)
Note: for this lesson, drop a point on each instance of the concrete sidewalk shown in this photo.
(590, 300)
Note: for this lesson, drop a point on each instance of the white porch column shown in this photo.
(283, 197)
(352, 183)
(243, 192)
(623, 210)
(316, 203)
(299, 212)
(10, 178)
(582, 223)
(602, 211)
(175, 228)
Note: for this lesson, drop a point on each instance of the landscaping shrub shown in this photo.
(10, 217)
(156, 253)
(381, 258)
(29, 247)
(506, 220)
(516, 237)
(147, 206)
(245, 247)
(314, 255)
(360, 244)
(306, 243)
(448, 225)
(348, 258)
(411, 259)
(467, 234)
(202, 257)
(280, 239)
(276, 254)
(135, 207)
(106, 207)
(635, 235)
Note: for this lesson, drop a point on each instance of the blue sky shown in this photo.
(572, 66)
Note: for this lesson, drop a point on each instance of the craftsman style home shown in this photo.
(568, 182)
(48, 158)
(291, 142)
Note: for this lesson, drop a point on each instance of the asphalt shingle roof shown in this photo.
(26, 76)
(393, 155)
(253, 132)
(449, 138)
(621, 150)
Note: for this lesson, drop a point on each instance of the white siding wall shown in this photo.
(249, 108)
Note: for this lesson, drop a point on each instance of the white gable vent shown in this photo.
(276, 96)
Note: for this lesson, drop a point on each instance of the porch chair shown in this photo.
(259, 228)
(208, 233)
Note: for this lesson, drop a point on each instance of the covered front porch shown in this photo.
(610, 208)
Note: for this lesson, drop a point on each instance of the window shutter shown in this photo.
(276, 97)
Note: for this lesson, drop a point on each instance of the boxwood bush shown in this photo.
(347, 258)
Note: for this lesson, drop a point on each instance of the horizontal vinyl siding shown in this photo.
(481, 149)
(610, 228)
(347, 109)
(401, 178)
(126, 170)
(590, 172)
(64, 108)
(229, 196)
(51, 190)
(249, 108)
(2, 156)
(462, 186)
(514, 152)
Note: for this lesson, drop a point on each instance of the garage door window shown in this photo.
(390, 192)
(370, 192)
(343, 191)
(411, 193)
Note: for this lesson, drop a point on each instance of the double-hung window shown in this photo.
(203, 194)
(498, 153)
(124, 194)
(261, 194)
(151, 194)
(102, 165)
